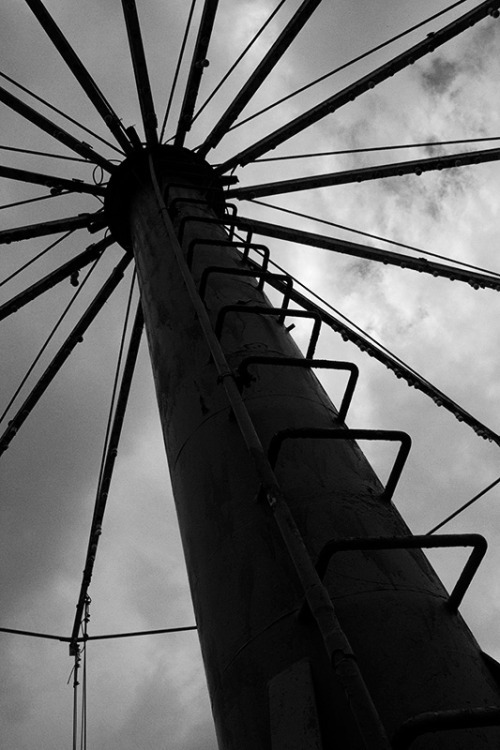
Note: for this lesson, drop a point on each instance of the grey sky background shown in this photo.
(150, 692)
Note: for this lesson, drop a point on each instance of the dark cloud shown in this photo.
(363, 269)
(484, 44)
(469, 55)
(440, 75)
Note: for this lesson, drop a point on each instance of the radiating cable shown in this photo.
(378, 237)
(43, 153)
(238, 60)
(365, 334)
(376, 148)
(33, 200)
(83, 720)
(360, 86)
(141, 72)
(50, 337)
(80, 72)
(350, 322)
(107, 475)
(177, 69)
(196, 69)
(464, 506)
(411, 376)
(39, 120)
(116, 378)
(436, 162)
(37, 257)
(60, 112)
(347, 64)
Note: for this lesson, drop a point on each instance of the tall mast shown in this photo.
(321, 622)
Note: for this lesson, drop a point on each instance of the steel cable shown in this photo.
(350, 331)
(177, 69)
(116, 378)
(378, 237)
(37, 257)
(59, 112)
(347, 64)
(33, 200)
(44, 153)
(376, 148)
(238, 60)
(49, 338)
(465, 506)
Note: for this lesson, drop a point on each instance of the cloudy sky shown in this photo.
(150, 692)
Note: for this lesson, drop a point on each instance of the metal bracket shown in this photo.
(250, 274)
(439, 721)
(280, 313)
(319, 433)
(423, 541)
(326, 364)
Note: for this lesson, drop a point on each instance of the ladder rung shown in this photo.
(439, 721)
(201, 220)
(423, 541)
(230, 243)
(172, 206)
(208, 187)
(244, 378)
(347, 434)
(229, 208)
(214, 196)
(264, 275)
(280, 313)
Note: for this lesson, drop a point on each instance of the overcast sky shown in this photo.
(150, 692)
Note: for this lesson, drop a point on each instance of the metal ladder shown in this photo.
(423, 723)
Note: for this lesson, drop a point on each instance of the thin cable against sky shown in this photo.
(60, 112)
(177, 69)
(377, 237)
(44, 153)
(33, 200)
(238, 60)
(347, 64)
(373, 149)
(37, 257)
(51, 334)
(465, 506)
(116, 377)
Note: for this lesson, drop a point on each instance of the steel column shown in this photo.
(272, 681)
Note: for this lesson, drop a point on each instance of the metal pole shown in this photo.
(291, 662)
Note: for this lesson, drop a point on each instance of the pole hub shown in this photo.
(173, 165)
